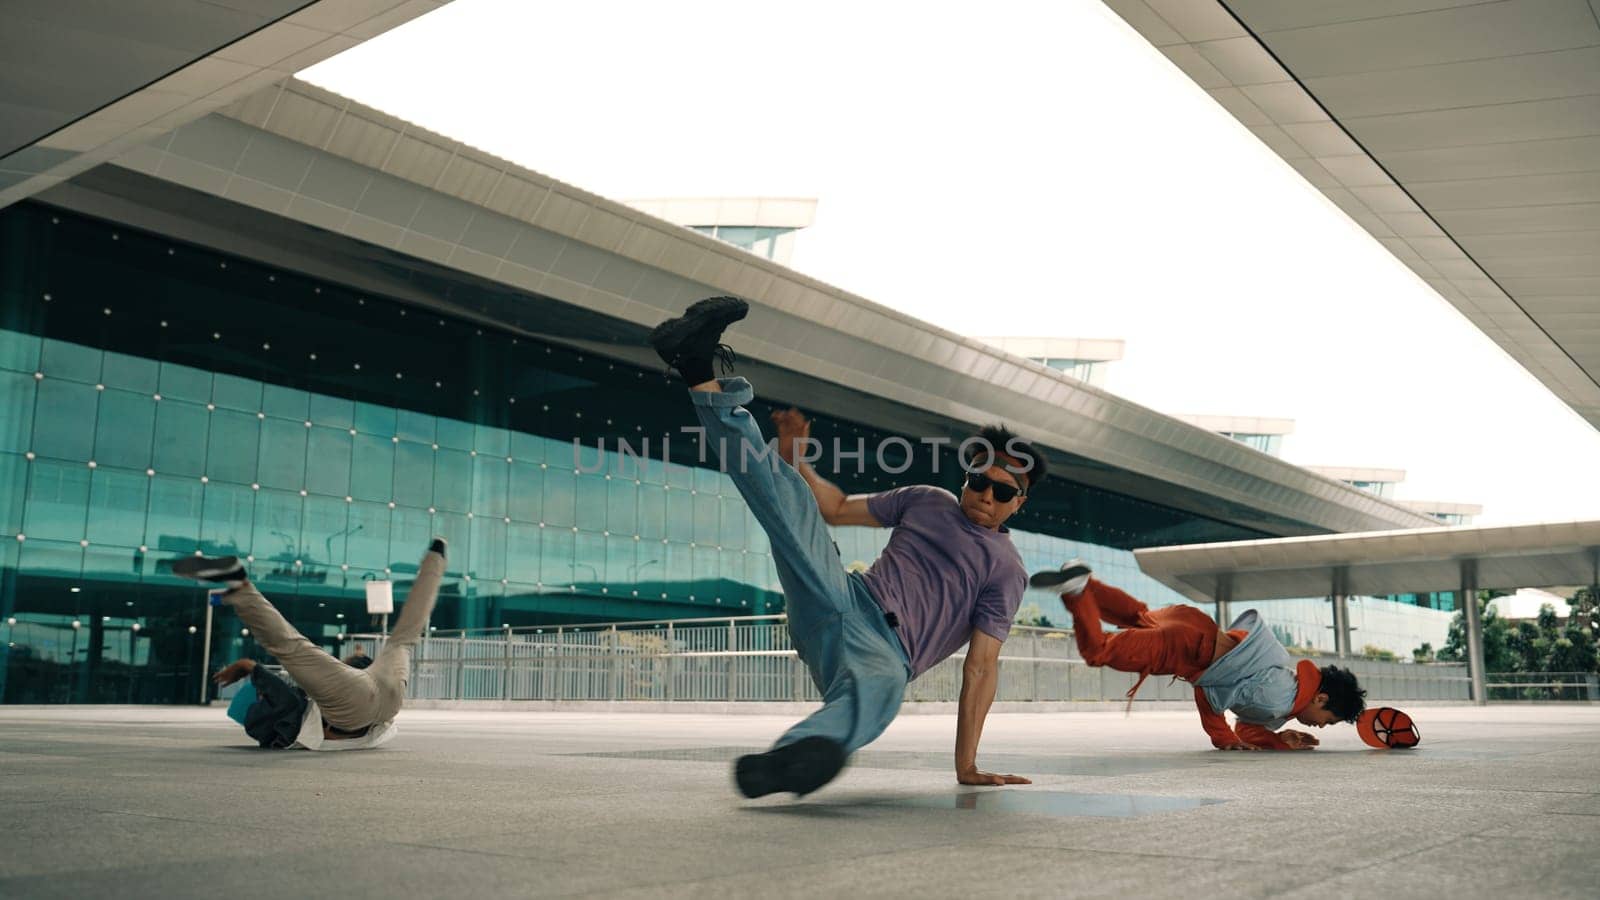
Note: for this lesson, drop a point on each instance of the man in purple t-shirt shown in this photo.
(949, 575)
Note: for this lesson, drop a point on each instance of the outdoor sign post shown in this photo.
(380, 601)
(212, 599)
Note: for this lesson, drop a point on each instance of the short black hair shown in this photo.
(1346, 699)
(1004, 441)
(359, 661)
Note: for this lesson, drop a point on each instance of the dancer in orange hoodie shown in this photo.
(1243, 669)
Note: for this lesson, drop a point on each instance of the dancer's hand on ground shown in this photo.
(233, 672)
(793, 427)
(1298, 740)
(1238, 745)
(973, 776)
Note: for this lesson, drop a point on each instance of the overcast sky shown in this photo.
(1038, 168)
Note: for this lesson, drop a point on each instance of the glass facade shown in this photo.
(761, 241)
(159, 400)
(1266, 443)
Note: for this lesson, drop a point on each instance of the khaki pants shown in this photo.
(349, 698)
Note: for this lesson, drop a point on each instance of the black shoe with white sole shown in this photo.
(224, 570)
(799, 768)
(1070, 578)
(437, 546)
(692, 342)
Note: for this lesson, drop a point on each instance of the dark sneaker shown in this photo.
(1070, 578)
(437, 546)
(693, 341)
(226, 570)
(800, 768)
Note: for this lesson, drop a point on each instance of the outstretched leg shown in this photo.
(391, 669)
(347, 697)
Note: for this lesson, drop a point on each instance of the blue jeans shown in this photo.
(838, 629)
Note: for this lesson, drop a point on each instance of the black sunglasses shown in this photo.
(1003, 493)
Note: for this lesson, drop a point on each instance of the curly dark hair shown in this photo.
(1005, 442)
(1346, 699)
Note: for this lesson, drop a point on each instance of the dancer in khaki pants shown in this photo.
(346, 707)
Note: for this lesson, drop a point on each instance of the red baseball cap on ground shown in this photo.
(1387, 728)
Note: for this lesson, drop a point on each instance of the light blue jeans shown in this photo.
(854, 657)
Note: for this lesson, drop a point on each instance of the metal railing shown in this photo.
(1543, 686)
(750, 659)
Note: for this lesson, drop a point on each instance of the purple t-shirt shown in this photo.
(941, 575)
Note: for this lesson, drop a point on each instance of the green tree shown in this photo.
(1423, 654)
(1585, 614)
(1497, 652)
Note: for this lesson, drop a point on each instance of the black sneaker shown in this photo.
(691, 342)
(800, 768)
(437, 546)
(216, 569)
(1067, 577)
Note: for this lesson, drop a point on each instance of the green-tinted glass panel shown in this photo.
(228, 519)
(334, 412)
(732, 520)
(232, 392)
(13, 492)
(378, 420)
(279, 519)
(525, 502)
(491, 441)
(174, 520)
(755, 537)
(368, 543)
(16, 410)
(588, 562)
(491, 476)
(585, 459)
(651, 515)
(56, 559)
(560, 497)
(707, 569)
(180, 446)
(235, 443)
(19, 352)
(452, 480)
(522, 552)
(63, 426)
(559, 454)
(680, 477)
(680, 570)
(457, 529)
(680, 515)
(706, 519)
(131, 373)
(708, 481)
(454, 433)
(732, 570)
(555, 561)
(328, 450)
(410, 533)
(621, 569)
(591, 502)
(372, 470)
(283, 455)
(326, 530)
(415, 426)
(527, 448)
(413, 474)
(183, 383)
(125, 430)
(73, 362)
(58, 501)
(622, 505)
(119, 499)
(285, 403)
(488, 549)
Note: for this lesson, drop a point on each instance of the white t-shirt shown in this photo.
(310, 736)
